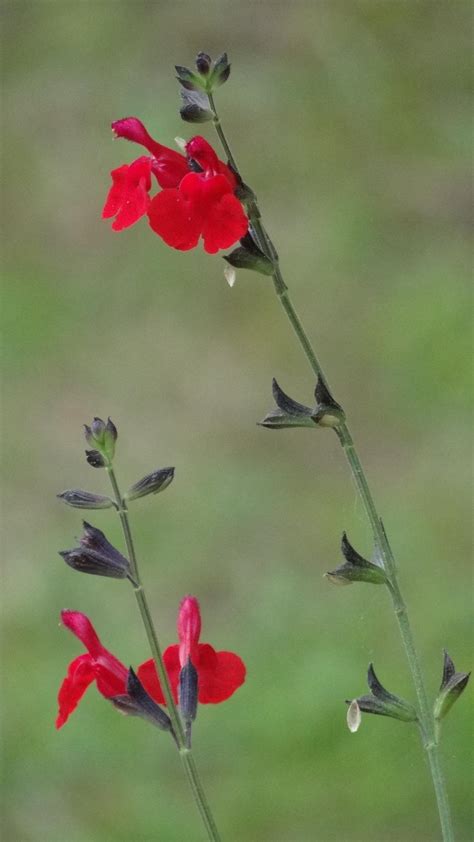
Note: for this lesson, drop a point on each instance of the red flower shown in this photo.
(219, 673)
(190, 206)
(98, 665)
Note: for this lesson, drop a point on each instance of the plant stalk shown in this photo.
(185, 752)
(426, 721)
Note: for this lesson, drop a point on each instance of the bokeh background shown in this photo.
(351, 122)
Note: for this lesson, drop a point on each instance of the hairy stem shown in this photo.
(380, 538)
(185, 752)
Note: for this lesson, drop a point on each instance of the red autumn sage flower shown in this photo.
(191, 204)
(97, 665)
(219, 673)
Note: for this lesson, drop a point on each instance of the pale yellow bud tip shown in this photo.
(354, 717)
(230, 275)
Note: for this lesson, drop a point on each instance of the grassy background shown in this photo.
(350, 120)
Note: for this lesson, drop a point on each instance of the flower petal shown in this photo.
(79, 675)
(223, 219)
(110, 673)
(168, 166)
(220, 674)
(202, 152)
(189, 629)
(81, 626)
(175, 219)
(128, 197)
(224, 225)
(147, 674)
(110, 676)
(201, 206)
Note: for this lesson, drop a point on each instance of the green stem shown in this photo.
(185, 753)
(382, 545)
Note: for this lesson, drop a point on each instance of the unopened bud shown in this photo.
(95, 459)
(85, 499)
(96, 556)
(196, 107)
(193, 113)
(151, 484)
(102, 437)
(203, 63)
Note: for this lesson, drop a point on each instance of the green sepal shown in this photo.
(278, 420)
(356, 568)
(452, 685)
(289, 413)
(220, 72)
(249, 256)
(189, 80)
(328, 413)
(382, 703)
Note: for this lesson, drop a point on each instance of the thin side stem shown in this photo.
(185, 753)
(382, 545)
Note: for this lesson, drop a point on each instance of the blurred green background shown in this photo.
(351, 122)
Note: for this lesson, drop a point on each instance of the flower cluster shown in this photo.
(219, 674)
(197, 199)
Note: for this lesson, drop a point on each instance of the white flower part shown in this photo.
(354, 716)
(181, 143)
(230, 274)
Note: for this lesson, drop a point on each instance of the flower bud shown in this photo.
(102, 437)
(249, 256)
(193, 113)
(196, 108)
(137, 702)
(355, 568)
(289, 413)
(85, 499)
(151, 484)
(203, 63)
(328, 412)
(452, 686)
(95, 555)
(382, 703)
(95, 459)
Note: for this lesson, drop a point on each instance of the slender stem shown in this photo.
(185, 753)
(382, 545)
